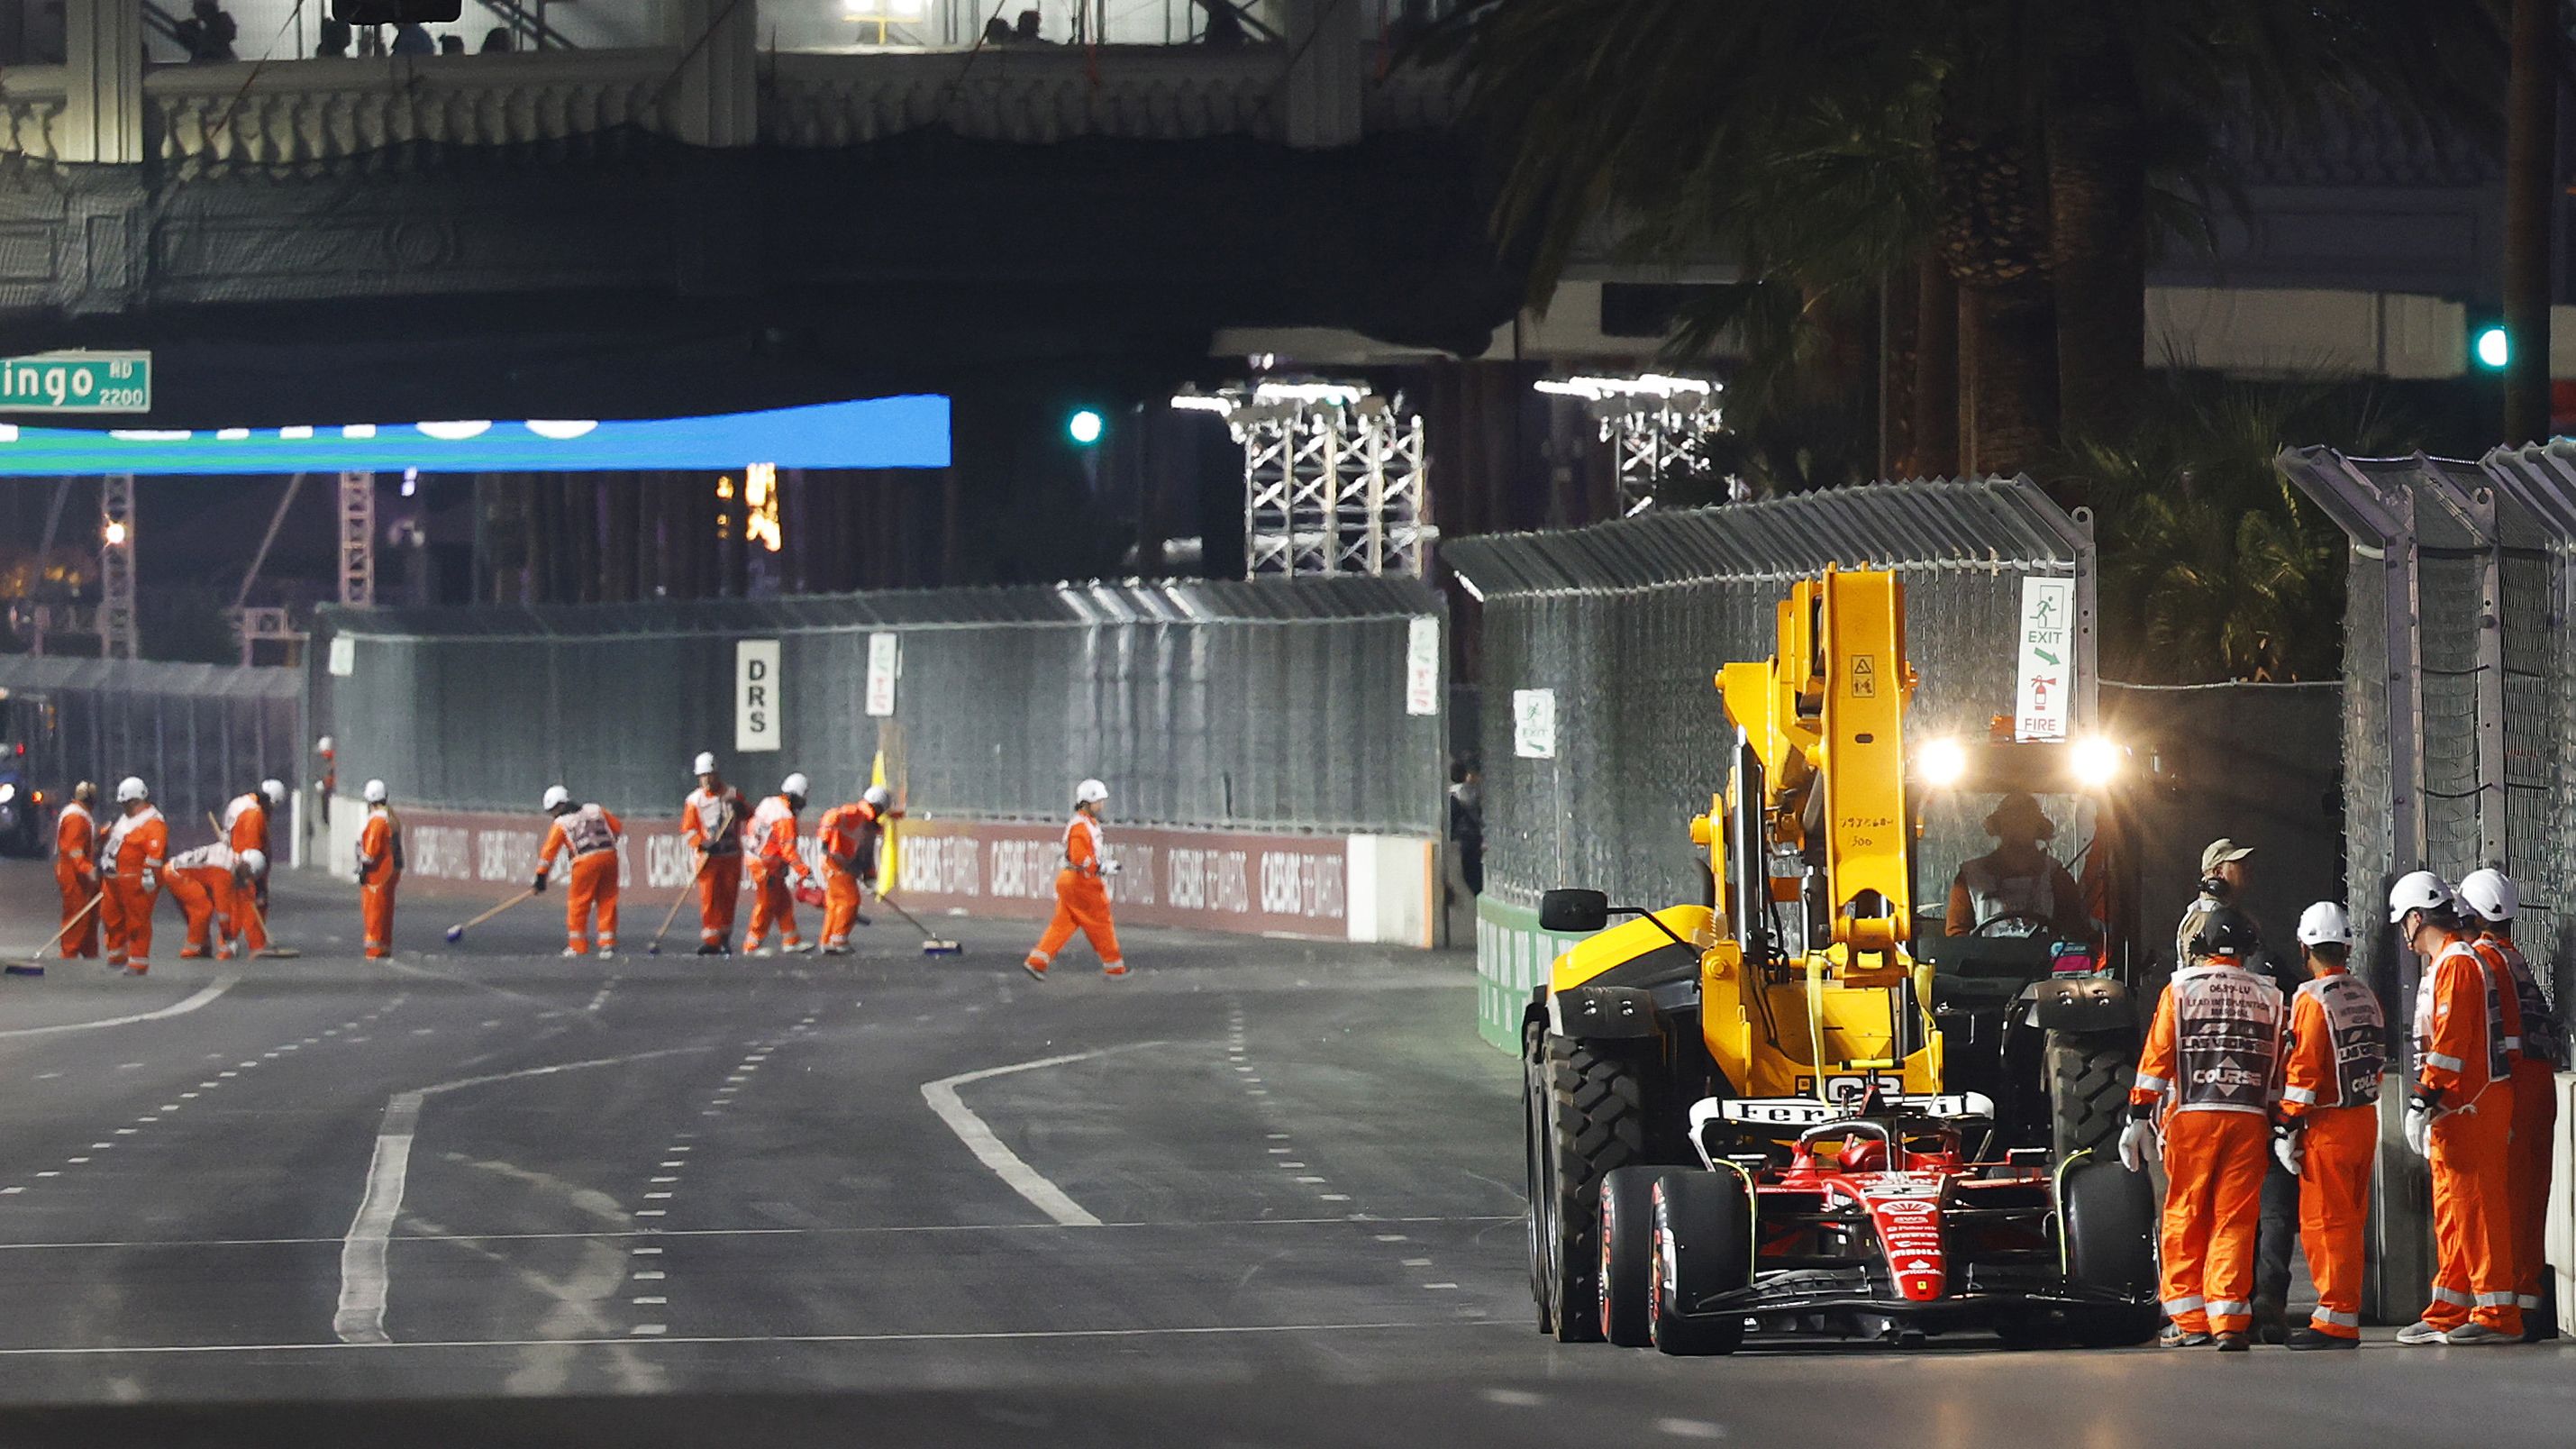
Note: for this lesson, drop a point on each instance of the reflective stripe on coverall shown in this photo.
(134, 850)
(76, 873)
(2213, 1058)
(246, 828)
(2331, 1086)
(201, 881)
(1081, 900)
(2463, 1019)
(380, 863)
(2535, 1119)
(711, 821)
(591, 834)
(773, 860)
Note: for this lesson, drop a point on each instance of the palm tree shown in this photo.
(2012, 142)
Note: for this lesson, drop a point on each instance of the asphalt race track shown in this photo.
(1259, 1193)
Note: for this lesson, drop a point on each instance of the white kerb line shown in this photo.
(365, 1282)
(1007, 1165)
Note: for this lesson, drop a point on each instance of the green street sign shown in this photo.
(77, 382)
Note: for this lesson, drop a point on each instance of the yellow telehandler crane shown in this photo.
(1796, 981)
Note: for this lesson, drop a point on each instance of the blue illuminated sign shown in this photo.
(886, 432)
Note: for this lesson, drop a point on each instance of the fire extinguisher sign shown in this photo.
(2047, 659)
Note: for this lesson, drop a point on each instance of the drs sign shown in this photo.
(77, 382)
(755, 695)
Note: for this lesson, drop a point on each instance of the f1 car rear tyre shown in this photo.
(1703, 1244)
(1586, 1116)
(2110, 1223)
(2088, 1090)
(1627, 1253)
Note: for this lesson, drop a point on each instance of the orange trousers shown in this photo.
(376, 917)
(205, 897)
(2214, 1163)
(2535, 1125)
(250, 921)
(719, 895)
(593, 891)
(771, 904)
(80, 940)
(2334, 1211)
(1081, 903)
(840, 904)
(2473, 1216)
(126, 914)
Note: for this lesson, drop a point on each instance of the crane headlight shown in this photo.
(1942, 764)
(2097, 762)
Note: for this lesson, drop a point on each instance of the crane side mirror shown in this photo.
(1573, 912)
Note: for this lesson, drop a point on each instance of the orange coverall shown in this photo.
(773, 860)
(133, 854)
(2213, 1058)
(2331, 1089)
(2535, 1119)
(202, 882)
(1081, 901)
(380, 868)
(76, 872)
(847, 833)
(591, 834)
(712, 824)
(2465, 1019)
(246, 828)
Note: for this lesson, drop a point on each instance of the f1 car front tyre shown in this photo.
(2110, 1218)
(1627, 1233)
(1585, 1115)
(1703, 1244)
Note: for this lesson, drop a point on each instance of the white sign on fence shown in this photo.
(2047, 659)
(755, 695)
(1422, 666)
(1534, 724)
(884, 662)
(344, 656)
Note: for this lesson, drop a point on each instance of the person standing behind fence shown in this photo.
(131, 860)
(591, 834)
(2539, 1055)
(76, 871)
(380, 868)
(774, 857)
(711, 820)
(1081, 897)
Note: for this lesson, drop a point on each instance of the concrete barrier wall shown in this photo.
(1374, 888)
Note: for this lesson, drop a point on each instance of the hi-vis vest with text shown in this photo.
(2357, 1035)
(2499, 1046)
(2227, 1039)
(586, 832)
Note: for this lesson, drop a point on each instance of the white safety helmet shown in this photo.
(796, 785)
(1090, 792)
(878, 796)
(2491, 893)
(2325, 923)
(255, 861)
(374, 794)
(274, 792)
(323, 744)
(557, 795)
(705, 764)
(130, 789)
(2418, 891)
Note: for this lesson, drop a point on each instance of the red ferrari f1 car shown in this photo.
(1871, 1221)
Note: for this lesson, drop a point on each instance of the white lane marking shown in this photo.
(1439, 1285)
(1690, 1428)
(205, 994)
(1007, 1165)
(651, 1275)
(641, 1252)
(648, 1302)
(364, 1282)
(656, 1329)
(47, 1076)
(1417, 1262)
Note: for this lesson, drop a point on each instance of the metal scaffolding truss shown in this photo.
(1334, 483)
(254, 626)
(358, 539)
(116, 623)
(1660, 430)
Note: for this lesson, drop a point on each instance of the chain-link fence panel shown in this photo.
(1307, 705)
(196, 734)
(1613, 636)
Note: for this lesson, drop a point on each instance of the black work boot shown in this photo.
(2308, 1339)
(2271, 1321)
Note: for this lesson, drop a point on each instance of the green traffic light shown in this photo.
(2494, 348)
(1085, 427)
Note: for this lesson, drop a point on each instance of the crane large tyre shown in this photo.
(1589, 1118)
(2088, 1090)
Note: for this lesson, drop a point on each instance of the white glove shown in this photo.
(2291, 1147)
(2138, 1144)
(151, 881)
(1109, 869)
(2419, 1127)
